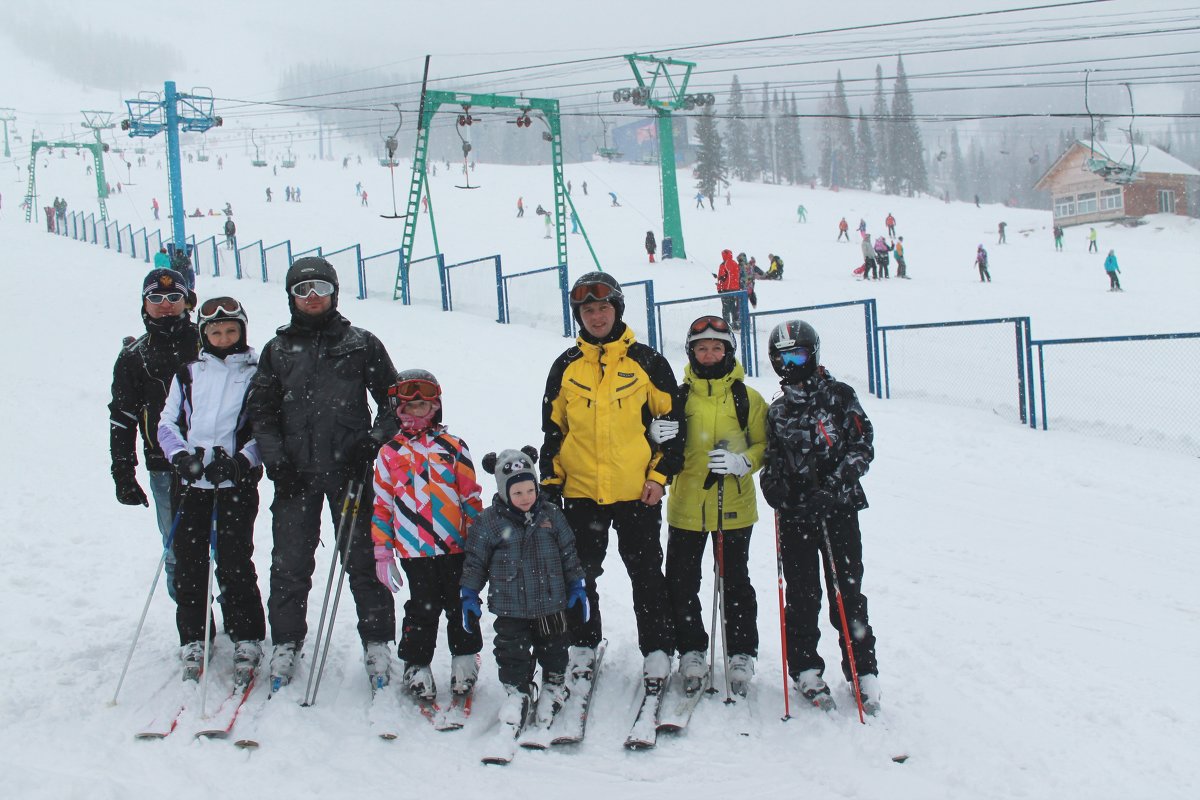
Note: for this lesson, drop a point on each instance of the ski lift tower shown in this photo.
(151, 114)
(648, 71)
(7, 116)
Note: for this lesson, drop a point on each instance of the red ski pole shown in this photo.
(837, 592)
(787, 709)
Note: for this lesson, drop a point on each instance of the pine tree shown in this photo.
(784, 150)
(842, 131)
(882, 120)
(799, 169)
(905, 144)
(710, 161)
(760, 155)
(827, 161)
(864, 156)
(737, 141)
(958, 167)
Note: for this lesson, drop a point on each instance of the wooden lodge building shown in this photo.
(1140, 180)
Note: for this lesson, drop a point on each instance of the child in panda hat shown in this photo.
(524, 547)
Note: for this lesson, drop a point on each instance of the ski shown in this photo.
(166, 718)
(537, 734)
(385, 715)
(250, 719)
(643, 735)
(456, 714)
(570, 724)
(503, 747)
(677, 705)
(221, 723)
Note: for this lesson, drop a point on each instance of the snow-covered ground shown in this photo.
(1033, 593)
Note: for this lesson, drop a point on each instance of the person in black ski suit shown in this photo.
(315, 436)
(141, 379)
(651, 245)
(819, 444)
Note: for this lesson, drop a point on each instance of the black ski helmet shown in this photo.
(592, 286)
(794, 334)
(312, 268)
(711, 327)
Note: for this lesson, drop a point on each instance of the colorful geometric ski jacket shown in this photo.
(426, 494)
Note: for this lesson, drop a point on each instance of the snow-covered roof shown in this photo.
(1143, 158)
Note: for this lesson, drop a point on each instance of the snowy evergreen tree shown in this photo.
(795, 141)
(825, 166)
(905, 148)
(784, 154)
(882, 120)
(760, 153)
(958, 169)
(864, 154)
(737, 140)
(710, 161)
(842, 135)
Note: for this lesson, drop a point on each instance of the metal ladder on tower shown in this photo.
(415, 186)
(560, 192)
(30, 186)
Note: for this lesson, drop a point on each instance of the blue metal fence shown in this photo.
(838, 331)
(714, 304)
(560, 271)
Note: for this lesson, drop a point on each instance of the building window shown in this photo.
(1111, 200)
(1064, 207)
(1166, 201)
(1085, 203)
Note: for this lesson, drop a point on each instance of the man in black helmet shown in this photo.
(819, 443)
(602, 396)
(315, 434)
(141, 379)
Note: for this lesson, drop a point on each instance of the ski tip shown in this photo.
(900, 759)
(246, 744)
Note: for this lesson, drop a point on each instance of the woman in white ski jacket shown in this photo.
(205, 432)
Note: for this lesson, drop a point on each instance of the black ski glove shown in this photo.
(225, 467)
(552, 493)
(282, 473)
(129, 491)
(364, 451)
(820, 501)
(188, 466)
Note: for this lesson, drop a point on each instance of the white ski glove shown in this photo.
(723, 462)
(663, 430)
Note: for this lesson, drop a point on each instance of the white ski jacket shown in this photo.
(206, 407)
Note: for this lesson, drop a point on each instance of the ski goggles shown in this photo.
(588, 292)
(708, 323)
(154, 298)
(320, 288)
(797, 357)
(219, 308)
(414, 389)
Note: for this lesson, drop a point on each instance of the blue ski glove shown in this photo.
(470, 608)
(577, 596)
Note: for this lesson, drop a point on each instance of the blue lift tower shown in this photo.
(172, 111)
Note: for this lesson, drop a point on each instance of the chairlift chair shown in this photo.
(465, 119)
(391, 144)
(1105, 167)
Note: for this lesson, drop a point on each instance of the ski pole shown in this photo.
(343, 516)
(337, 595)
(721, 584)
(162, 561)
(837, 592)
(208, 620)
(787, 710)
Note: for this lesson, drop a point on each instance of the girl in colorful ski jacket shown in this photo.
(426, 497)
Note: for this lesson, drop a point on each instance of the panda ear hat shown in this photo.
(489, 463)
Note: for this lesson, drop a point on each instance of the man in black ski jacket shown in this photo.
(141, 379)
(819, 443)
(315, 435)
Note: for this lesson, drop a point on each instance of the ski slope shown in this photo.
(1033, 593)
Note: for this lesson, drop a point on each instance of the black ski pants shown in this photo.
(640, 545)
(685, 552)
(868, 269)
(520, 644)
(433, 586)
(296, 530)
(901, 267)
(984, 275)
(730, 309)
(237, 582)
(802, 547)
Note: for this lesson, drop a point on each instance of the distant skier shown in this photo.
(844, 230)
(774, 268)
(1110, 266)
(585, 188)
(699, 199)
(801, 213)
(520, 207)
(364, 197)
(549, 222)
(1092, 247)
(161, 259)
(891, 225)
(901, 267)
(613, 195)
(230, 231)
(1058, 238)
(862, 225)
(981, 261)
(1001, 228)
(729, 280)
(154, 206)
(651, 245)
(882, 249)
(268, 194)
(574, 222)
(868, 252)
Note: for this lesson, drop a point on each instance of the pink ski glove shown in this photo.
(385, 568)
